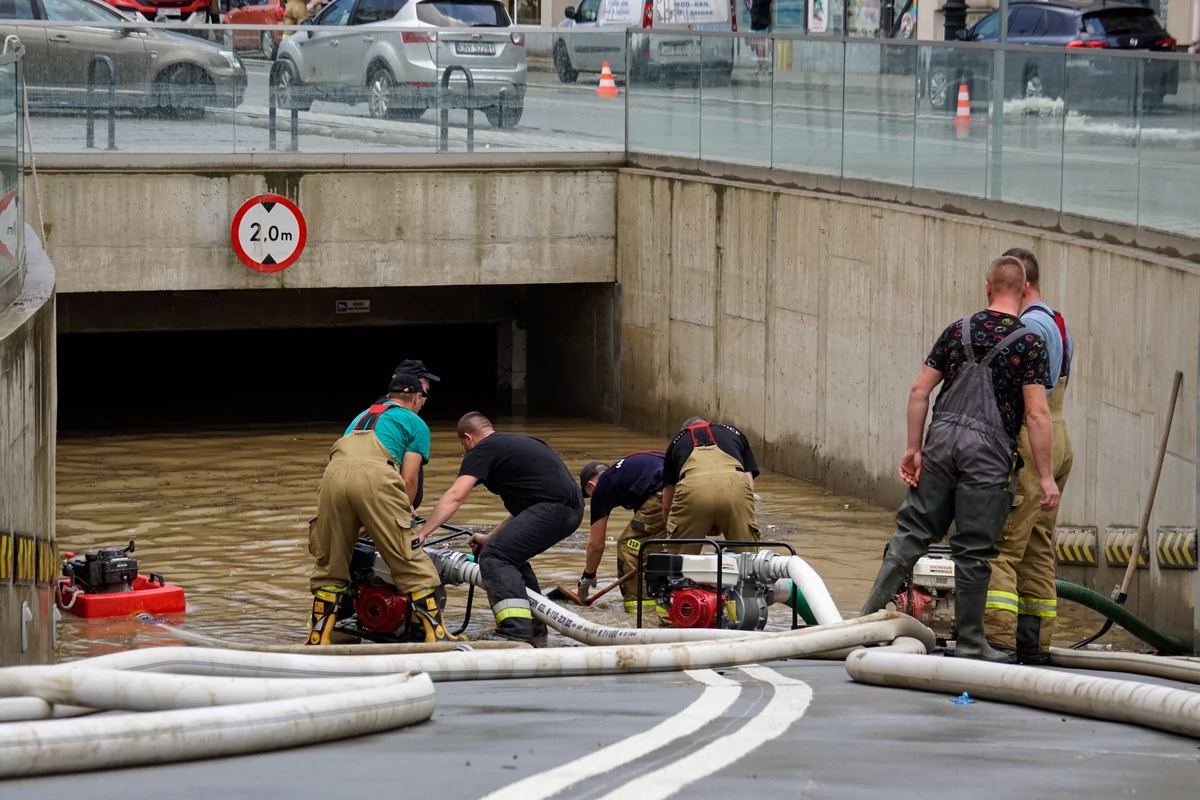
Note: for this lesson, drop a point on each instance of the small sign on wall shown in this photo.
(353, 306)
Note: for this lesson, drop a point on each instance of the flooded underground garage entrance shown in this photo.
(203, 430)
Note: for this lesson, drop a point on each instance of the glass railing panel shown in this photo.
(880, 112)
(12, 223)
(807, 105)
(664, 94)
(954, 89)
(735, 99)
(1103, 106)
(569, 105)
(1169, 146)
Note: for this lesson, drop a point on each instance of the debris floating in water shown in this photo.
(964, 700)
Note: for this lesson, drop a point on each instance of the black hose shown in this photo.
(1121, 616)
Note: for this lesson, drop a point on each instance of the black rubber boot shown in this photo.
(968, 618)
(887, 585)
(425, 610)
(1029, 630)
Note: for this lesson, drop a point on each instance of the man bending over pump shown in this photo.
(635, 482)
(708, 484)
(365, 484)
(544, 507)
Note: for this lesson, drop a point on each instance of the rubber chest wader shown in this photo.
(362, 487)
(648, 523)
(712, 495)
(967, 467)
(1022, 603)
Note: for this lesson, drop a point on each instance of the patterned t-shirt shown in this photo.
(1023, 362)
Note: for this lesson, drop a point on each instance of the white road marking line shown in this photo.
(791, 700)
(719, 694)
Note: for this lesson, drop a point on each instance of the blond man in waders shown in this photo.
(993, 372)
(635, 482)
(364, 485)
(1022, 603)
(708, 484)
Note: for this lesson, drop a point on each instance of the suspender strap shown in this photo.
(1061, 323)
(1005, 342)
(702, 435)
(965, 335)
(367, 423)
(655, 453)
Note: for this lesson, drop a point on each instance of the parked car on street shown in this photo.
(594, 33)
(154, 69)
(188, 12)
(254, 12)
(392, 54)
(1081, 28)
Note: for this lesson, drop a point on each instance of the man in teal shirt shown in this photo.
(365, 485)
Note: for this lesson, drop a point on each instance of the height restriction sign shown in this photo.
(268, 233)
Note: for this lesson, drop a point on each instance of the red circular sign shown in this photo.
(268, 233)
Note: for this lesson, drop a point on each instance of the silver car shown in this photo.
(393, 54)
(153, 68)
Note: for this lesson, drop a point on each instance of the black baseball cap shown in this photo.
(405, 383)
(414, 367)
(589, 473)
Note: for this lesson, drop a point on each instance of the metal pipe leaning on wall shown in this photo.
(53, 746)
(1147, 705)
(882, 627)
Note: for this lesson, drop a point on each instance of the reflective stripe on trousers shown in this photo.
(514, 609)
(1037, 606)
(1005, 601)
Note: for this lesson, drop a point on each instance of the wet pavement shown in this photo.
(794, 730)
(225, 515)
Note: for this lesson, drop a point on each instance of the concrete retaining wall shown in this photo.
(803, 319)
(162, 231)
(28, 562)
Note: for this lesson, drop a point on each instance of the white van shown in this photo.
(594, 27)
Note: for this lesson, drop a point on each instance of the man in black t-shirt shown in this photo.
(994, 374)
(708, 484)
(544, 507)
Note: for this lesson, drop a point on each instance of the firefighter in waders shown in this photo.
(415, 367)
(1022, 603)
(993, 372)
(708, 484)
(635, 483)
(364, 486)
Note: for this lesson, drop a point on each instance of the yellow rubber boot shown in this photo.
(324, 614)
(425, 609)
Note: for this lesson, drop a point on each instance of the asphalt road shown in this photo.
(873, 128)
(792, 729)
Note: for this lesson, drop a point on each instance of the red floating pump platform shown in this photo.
(107, 584)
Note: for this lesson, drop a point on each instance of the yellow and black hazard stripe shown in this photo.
(1118, 547)
(24, 560)
(47, 563)
(6, 555)
(1075, 547)
(1176, 548)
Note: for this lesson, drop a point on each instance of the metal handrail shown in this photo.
(273, 102)
(112, 101)
(444, 109)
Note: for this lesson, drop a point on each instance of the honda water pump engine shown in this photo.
(929, 594)
(687, 587)
(376, 610)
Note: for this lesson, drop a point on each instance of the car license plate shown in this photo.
(675, 49)
(475, 48)
(167, 14)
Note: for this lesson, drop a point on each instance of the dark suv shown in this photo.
(1077, 26)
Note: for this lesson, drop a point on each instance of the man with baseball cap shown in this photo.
(365, 485)
(411, 366)
(635, 482)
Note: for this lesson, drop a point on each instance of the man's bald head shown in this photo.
(1006, 278)
(473, 423)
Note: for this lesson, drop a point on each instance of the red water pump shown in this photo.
(379, 607)
(693, 607)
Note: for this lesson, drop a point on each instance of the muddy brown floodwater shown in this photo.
(225, 515)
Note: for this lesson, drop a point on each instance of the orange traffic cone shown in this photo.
(607, 87)
(962, 117)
